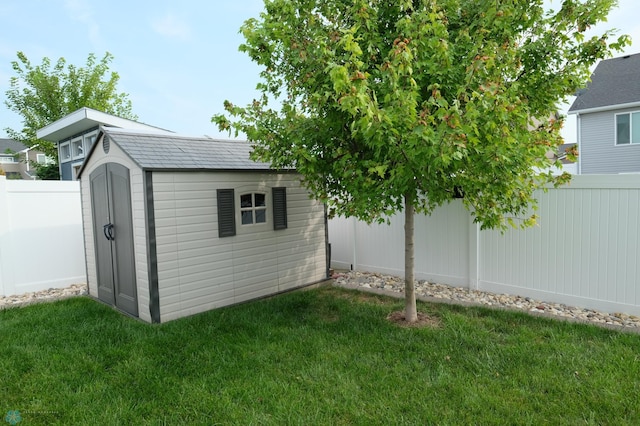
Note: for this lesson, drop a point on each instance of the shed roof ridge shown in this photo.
(125, 131)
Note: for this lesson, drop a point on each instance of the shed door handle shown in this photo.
(108, 231)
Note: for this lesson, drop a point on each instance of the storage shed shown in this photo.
(179, 225)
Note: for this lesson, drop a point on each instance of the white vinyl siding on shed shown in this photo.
(198, 271)
(599, 153)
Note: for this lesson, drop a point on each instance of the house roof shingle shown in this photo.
(11, 145)
(614, 82)
(171, 151)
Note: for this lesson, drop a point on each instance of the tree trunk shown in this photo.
(410, 311)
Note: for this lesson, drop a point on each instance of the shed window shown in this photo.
(253, 208)
(628, 128)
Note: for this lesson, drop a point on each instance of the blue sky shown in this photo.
(178, 61)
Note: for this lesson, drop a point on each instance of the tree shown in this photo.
(391, 105)
(47, 171)
(42, 95)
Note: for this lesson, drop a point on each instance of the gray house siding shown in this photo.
(65, 171)
(598, 152)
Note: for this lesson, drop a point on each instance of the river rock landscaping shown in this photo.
(439, 292)
(392, 285)
(48, 295)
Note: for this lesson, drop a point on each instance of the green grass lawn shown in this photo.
(325, 356)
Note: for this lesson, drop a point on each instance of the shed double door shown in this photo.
(113, 236)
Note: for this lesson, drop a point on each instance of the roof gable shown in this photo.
(614, 82)
(11, 145)
(156, 151)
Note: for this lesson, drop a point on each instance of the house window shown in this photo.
(253, 208)
(75, 168)
(7, 159)
(44, 159)
(628, 128)
(89, 140)
(77, 149)
(65, 152)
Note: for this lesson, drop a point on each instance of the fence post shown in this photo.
(474, 255)
(6, 268)
(354, 265)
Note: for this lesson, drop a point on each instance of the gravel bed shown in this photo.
(424, 289)
(43, 296)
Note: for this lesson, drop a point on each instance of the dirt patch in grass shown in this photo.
(423, 320)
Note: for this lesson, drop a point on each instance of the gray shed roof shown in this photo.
(170, 151)
(11, 145)
(614, 82)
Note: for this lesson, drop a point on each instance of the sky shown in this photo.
(177, 60)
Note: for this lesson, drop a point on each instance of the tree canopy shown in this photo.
(42, 94)
(390, 105)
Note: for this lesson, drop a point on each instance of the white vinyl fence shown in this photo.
(584, 252)
(41, 243)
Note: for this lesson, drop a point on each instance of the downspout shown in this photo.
(59, 162)
(26, 159)
(579, 136)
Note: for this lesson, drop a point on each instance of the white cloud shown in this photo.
(81, 11)
(172, 26)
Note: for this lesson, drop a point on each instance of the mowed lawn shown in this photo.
(324, 356)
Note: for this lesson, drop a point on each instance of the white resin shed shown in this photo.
(178, 225)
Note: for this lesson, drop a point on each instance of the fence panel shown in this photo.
(41, 242)
(584, 251)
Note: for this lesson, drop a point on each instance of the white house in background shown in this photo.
(74, 134)
(608, 118)
(16, 159)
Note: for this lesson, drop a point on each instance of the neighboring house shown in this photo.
(75, 133)
(567, 165)
(16, 159)
(608, 118)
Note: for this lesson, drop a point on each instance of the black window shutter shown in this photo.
(279, 208)
(226, 213)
